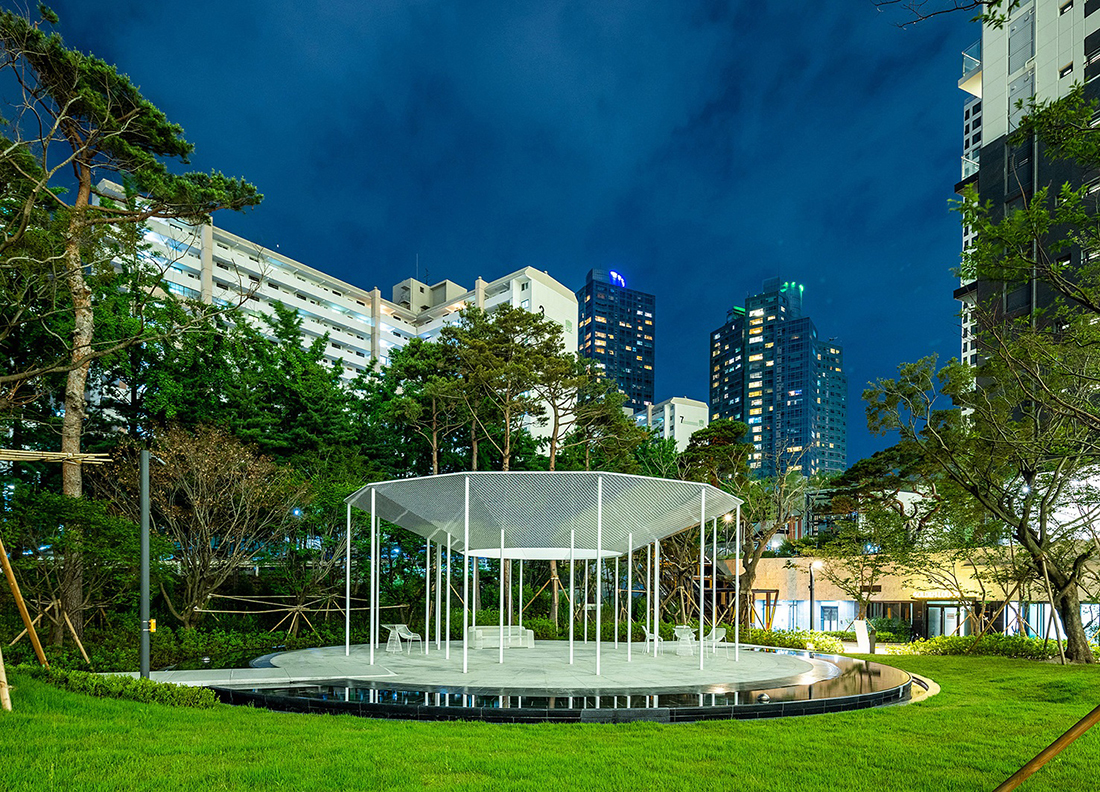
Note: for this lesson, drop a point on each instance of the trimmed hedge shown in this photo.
(792, 639)
(123, 687)
(992, 644)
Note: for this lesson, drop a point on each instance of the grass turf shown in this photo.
(992, 716)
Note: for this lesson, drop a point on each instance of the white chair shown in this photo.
(650, 638)
(409, 636)
(716, 638)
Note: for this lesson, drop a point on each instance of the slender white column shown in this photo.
(737, 591)
(572, 590)
(714, 578)
(427, 593)
(648, 584)
(438, 593)
(702, 547)
(599, 570)
(656, 593)
(501, 622)
(629, 592)
(371, 628)
(450, 579)
(615, 618)
(521, 593)
(466, 580)
(585, 606)
(347, 590)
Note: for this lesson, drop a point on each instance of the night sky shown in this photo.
(695, 147)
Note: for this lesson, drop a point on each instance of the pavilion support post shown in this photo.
(572, 590)
(466, 579)
(702, 547)
(521, 593)
(450, 579)
(615, 618)
(737, 591)
(347, 589)
(599, 570)
(427, 593)
(656, 594)
(629, 590)
(501, 622)
(648, 586)
(714, 579)
(373, 572)
(585, 605)
(438, 593)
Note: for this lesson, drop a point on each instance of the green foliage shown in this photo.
(993, 644)
(792, 639)
(717, 454)
(145, 691)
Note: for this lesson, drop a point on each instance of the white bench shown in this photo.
(488, 637)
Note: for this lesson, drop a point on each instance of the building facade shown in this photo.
(678, 418)
(770, 370)
(217, 267)
(1046, 48)
(616, 327)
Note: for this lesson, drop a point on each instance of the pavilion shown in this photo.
(536, 515)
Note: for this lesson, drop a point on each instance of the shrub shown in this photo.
(1018, 646)
(123, 687)
(791, 639)
(892, 627)
(543, 628)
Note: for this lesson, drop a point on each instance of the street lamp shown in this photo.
(813, 565)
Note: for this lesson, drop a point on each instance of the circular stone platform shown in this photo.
(546, 668)
(539, 684)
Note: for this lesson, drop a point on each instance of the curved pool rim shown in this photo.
(857, 684)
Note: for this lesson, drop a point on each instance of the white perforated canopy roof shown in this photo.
(606, 513)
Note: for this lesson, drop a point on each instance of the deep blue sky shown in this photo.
(695, 147)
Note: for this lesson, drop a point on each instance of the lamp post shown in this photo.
(144, 472)
(813, 565)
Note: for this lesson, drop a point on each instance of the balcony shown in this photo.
(970, 165)
(971, 80)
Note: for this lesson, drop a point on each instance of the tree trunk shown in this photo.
(1069, 609)
(72, 423)
(555, 588)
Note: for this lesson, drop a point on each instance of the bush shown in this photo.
(123, 687)
(893, 627)
(880, 636)
(993, 644)
(543, 628)
(791, 639)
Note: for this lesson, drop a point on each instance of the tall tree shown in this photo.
(1028, 467)
(500, 355)
(83, 121)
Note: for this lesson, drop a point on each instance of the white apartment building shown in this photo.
(678, 418)
(218, 267)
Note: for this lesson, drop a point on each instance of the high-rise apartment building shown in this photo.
(212, 265)
(616, 327)
(1046, 48)
(770, 370)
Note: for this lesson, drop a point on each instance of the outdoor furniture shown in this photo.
(409, 636)
(393, 643)
(685, 640)
(716, 637)
(488, 636)
(650, 638)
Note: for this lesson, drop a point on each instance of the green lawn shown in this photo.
(992, 715)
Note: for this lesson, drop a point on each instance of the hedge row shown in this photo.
(991, 644)
(123, 687)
